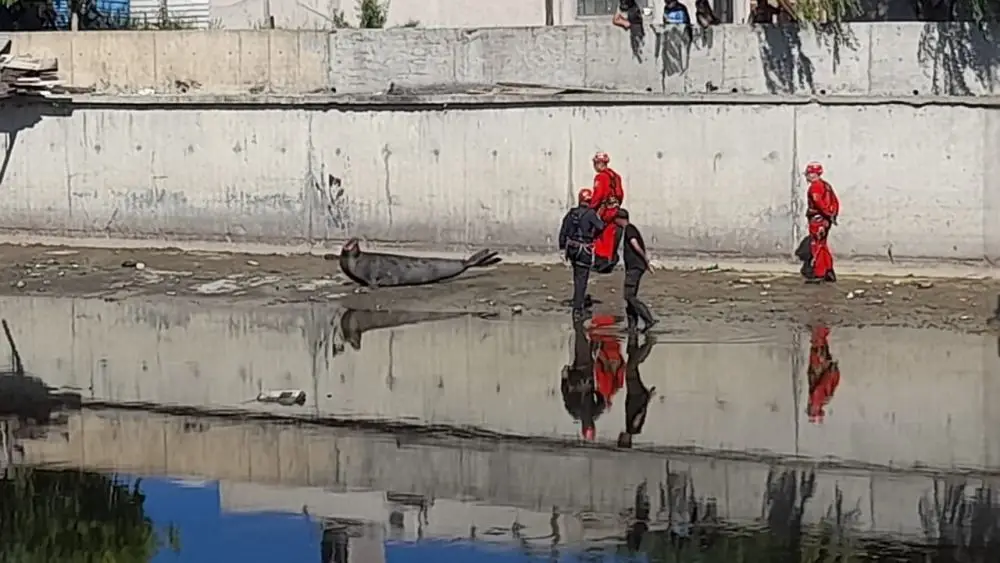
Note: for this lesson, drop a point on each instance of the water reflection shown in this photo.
(597, 372)
(364, 497)
(71, 515)
(823, 373)
(354, 323)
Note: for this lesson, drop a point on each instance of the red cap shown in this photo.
(602, 157)
(814, 168)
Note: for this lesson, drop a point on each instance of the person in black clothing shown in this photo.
(637, 396)
(636, 264)
(579, 390)
(576, 237)
(629, 17)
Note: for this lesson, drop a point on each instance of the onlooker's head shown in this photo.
(621, 217)
(584, 196)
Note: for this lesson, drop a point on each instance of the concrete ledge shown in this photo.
(359, 102)
(166, 61)
(865, 59)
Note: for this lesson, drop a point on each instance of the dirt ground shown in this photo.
(712, 294)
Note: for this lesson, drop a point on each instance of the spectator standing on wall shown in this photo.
(705, 15)
(675, 13)
(762, 12)
(770, 11)
(629, 17)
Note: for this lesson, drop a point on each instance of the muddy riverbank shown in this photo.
(709, 294)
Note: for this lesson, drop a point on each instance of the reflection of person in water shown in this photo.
(637, 395)
(640, 525)
(579, 390)
(609, 364)
(824, 373)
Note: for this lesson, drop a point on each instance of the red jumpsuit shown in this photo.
(823, 208)
(609, 193)
(609, 365)
(824, 373)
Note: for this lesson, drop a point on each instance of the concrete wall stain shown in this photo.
(333, 201)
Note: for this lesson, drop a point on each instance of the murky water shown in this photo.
(461, 439)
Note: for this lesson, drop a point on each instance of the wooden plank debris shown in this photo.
(22, 75)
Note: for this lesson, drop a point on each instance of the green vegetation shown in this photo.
(372, 14)
(73, 517)
(828, 11)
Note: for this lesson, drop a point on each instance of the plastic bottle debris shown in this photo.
(284, 397)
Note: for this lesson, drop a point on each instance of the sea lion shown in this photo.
(375, 269)
(355, 322)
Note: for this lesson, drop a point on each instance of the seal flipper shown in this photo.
(481, 259)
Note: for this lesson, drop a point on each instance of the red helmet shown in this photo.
(602, 157)
(585, 195)
(814, 168)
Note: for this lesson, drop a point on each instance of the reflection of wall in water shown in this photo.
(351, 541)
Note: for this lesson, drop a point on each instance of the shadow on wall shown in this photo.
(16, 117)
(956, 55)
(955, 52)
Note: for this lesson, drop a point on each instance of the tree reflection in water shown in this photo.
(961, 524)
(73, 517)
(962, 521)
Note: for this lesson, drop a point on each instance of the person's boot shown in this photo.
(649, 325)
(830, 276)
(806, 269)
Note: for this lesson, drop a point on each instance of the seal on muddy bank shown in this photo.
(376, 269)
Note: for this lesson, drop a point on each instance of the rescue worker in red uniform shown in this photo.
(824, 373)
(822, 208)
(609, 194)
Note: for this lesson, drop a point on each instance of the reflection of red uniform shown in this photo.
(824, 373)
(823, 207)
(608, 196)
(609, 365)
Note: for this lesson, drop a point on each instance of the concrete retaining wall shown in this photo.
(737, 394)
(699, 177)
(858, 59)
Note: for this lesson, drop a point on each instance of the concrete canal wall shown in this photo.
(326, 471)
(907, 397)
(918, 176)
(701, 177)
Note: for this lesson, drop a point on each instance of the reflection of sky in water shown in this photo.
(208, 535)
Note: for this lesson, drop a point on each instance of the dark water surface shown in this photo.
(467, 439)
